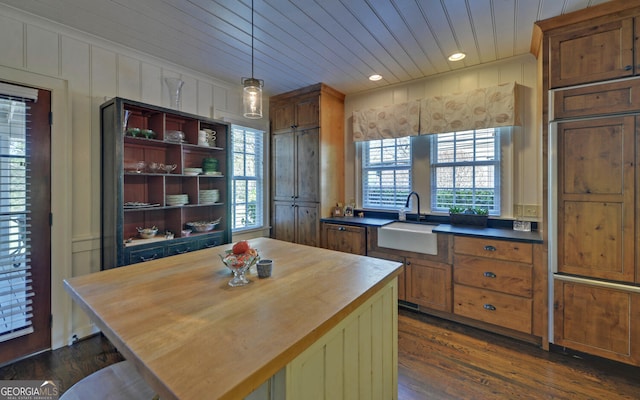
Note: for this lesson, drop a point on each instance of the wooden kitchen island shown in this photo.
(323, 326)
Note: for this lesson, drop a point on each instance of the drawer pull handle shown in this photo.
(489, 248)
(153, 257)
(214, 244)
(183, 251)
(342, 228)
(628, 68)
(489, 274)
(489, 307)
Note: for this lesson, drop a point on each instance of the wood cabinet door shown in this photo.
(596, 198)
(307, 165)
(283, 166)
(282, 116)
(345, 238)
(597, 320)
(308, 224)
(283, 221)
(592, 54)
(308, 112)
(428, 284)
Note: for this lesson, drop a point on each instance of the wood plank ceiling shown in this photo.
(301, 42)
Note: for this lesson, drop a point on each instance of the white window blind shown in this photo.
(16, 290)
(248, 178)
(386, 173)
(465, 170)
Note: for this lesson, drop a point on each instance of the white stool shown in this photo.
(118, 381)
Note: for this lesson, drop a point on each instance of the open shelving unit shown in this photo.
(135, 195)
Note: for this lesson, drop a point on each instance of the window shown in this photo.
(248, 172)
(386, 172)
(465, 170)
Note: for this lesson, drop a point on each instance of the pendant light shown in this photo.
(252, 88)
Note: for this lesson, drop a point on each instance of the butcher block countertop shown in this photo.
(192, 336)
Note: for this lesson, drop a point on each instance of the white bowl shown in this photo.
(147, 233)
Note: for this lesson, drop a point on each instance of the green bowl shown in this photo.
(133, 131)
(148, 133)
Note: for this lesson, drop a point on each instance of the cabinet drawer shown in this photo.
(210, 241)
(502, 276)
(494, 308)
(181, 248)
(144, 254)
(495, 249)
(617, 97)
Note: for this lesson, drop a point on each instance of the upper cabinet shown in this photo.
(300, 113)
(592, 54)
(161, 169)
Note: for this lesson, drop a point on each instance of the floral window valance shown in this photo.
(490, 107)
(397, 120)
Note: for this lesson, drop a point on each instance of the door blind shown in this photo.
(16, 292)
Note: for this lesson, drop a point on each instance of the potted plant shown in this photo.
(475, 216)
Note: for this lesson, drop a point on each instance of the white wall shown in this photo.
(84, 71)
(527, 141)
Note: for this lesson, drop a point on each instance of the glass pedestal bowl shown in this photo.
(239, 264)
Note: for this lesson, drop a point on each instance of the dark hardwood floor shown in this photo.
(438, 359)
(67, 365)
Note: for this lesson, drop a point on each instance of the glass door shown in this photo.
(25, 261)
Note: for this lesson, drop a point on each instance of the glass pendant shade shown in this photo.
(252, 97)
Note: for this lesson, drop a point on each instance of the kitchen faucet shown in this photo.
(407, 203)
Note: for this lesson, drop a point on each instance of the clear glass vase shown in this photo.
(175, 92)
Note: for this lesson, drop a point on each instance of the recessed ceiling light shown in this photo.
(375, 77)
(457, 56)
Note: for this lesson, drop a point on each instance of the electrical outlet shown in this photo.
(530, 210)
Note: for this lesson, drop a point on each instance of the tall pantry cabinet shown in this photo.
(307, 159)
(590, 93)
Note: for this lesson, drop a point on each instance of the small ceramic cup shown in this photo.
(264, 268)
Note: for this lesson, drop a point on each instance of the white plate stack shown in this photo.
(177, 199)
(209, 196)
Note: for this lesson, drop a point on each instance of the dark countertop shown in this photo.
(459, 230)
(357, 221)
(494, 233)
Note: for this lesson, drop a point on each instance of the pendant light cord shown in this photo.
(251, 38)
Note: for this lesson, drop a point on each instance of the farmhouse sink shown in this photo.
(406, 236)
